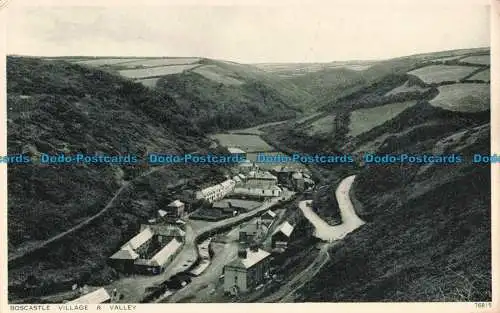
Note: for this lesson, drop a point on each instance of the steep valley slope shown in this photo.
(427, 236)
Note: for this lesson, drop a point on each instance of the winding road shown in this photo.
(323, 231)
(350, 221)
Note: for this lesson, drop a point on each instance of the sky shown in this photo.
(246, 33)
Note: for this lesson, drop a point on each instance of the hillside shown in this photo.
(58, 107)
(218, 94)
(427, 236)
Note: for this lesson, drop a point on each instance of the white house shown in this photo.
(216, 192)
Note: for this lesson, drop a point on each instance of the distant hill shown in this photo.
(219, 94)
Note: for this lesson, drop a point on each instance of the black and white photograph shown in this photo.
(288, 152)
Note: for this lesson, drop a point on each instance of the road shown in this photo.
(350, 221)
(330, 234)
(201, 286)
(134, 287)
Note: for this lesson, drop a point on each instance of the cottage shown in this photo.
(268, 217)
(298, 181)
(259, 176)
(273, 191)
(237, 179)
(162, 214)
(160, 260)
(281, 236)
(136, 254)
(99, 296)
(246, 272)
(230, 205)
(176, 209)
(246, 166)
(216, 192)
(249, 232)
(165, 233)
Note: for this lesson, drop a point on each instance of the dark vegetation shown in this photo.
(428, 237)
(215, 106)
(57, 107)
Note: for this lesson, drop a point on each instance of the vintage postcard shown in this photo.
(324, 155)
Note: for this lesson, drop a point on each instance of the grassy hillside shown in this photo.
(428, 240)
(216, 106)
(58, 107)
(427, 236)
(217, 94)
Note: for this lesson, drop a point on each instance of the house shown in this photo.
(165, 233)
(259, 176)
(175, 209)
(243, 177)
(99, 296)
(298, 181)
(249, 232)
(246, 166)
(141, 252)
(216, 192)
(134, 249)
(268, 217)
(237, 152)
(160, 260)
(281, 236)
(230, 205)
(237, 179)
(273, 191)
(162, 215)
(248, 271)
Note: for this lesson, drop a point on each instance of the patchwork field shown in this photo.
(405, 88)
(484, 76)
(217, 74)
(435, 74)
(160, 62)
(324, 125)
(103, 62)
(365, 119)
(156, 71)
(463, 97)
(453, 58)
(244, 142)
(477, 59)
(149, 82)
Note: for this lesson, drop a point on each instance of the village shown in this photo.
(230, 238)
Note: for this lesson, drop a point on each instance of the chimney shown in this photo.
(242, 253)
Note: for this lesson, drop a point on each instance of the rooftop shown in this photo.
(285, 228)
(126, 253)
(261, 175)
(95, 297)
(162, 256)
(234, 150)
(252, 258)
(236, 203)
(251, 228)
(139, 239)
(176, 203)
(270, 213)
